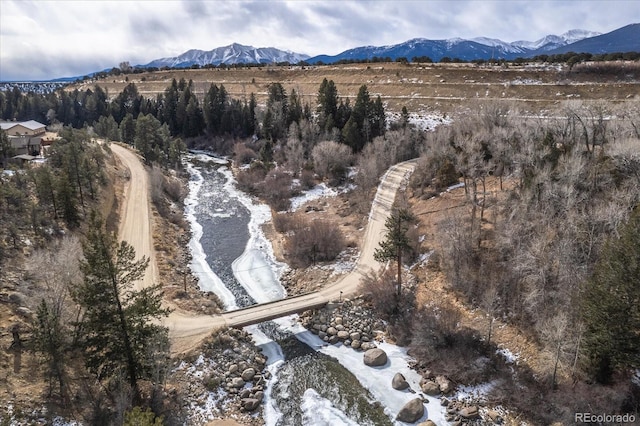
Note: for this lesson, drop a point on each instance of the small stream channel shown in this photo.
(232, 258)
(312, 383)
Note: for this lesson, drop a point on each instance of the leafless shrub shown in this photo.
(174, 188)
(163, 189)
(307, 180)
(249, 179)
(294, 150)
(156, 181)
(56, 270)
(282, 221)
(380, 290)
(242, 154)
(331, 160)
(313, 241)
(276, 189)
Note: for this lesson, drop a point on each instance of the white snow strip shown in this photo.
(318, 191)
(509, 357)
(207, 279)
(456, 186)
(318, 411)
(275, 360)
(475, 393)
(377, 380)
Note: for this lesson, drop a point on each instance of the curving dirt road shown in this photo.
(187, 330)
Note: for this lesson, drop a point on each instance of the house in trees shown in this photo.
(47, 140)
(25, 136)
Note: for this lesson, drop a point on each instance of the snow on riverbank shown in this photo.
(207, 279)
(376, 380)
(258, 272)
(257, 269)
(275, 360)
(318, 411)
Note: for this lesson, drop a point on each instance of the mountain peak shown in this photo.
(572, 36)
(235, 53)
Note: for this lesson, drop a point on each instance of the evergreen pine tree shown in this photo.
(49, 339)
(611, 305)
(117, 327)
(396, 242)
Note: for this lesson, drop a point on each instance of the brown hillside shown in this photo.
(420, 87)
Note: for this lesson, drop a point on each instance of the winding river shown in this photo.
(312, 384)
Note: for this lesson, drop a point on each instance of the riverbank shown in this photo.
(302, 369)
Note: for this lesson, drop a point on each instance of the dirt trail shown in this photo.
(187, 330)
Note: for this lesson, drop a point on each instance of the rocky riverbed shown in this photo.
(353, 324)
(227, 380)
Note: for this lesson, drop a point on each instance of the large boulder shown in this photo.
(249, 404)
(367, 345)
(430, 388)
(375, 357)
(399, 382)
(237, 382)
(427, 423)
(445, 384)
(411, 412)
(470, 412)
(247, 375)
(342, 334)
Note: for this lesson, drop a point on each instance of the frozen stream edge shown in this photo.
(258, 272)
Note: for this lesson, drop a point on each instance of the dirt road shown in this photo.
(187, 330)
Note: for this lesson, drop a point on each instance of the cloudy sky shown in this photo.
(44, 39)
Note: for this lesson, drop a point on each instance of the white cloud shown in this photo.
(47, 39)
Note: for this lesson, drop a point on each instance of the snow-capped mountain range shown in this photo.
(624, 39)
(233, 54)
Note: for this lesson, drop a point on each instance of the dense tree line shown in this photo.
(42, 201)
(151, 124)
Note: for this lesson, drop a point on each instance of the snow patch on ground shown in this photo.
(508, 356)
(345, 262)
(209, 405)
(525, 81)
(318, 191)
(456, 186)
(422, 121)
(59, 421)
(475, 393)
(422, 259)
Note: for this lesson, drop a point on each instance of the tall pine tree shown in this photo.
(119, 325)
(611, 305)
(396, 242)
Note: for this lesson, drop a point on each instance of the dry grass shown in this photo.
(421, 88)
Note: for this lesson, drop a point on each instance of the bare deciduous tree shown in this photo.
(331, 159)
